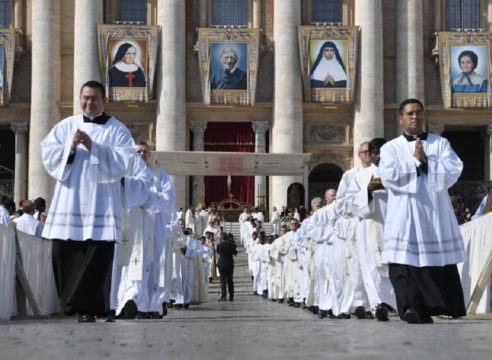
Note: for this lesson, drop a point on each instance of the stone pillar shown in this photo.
(256, 14)
(410, 79)
(20, 175)
(287, 113)
(171, 85)
(88, 13)
(488, 153)
(369, 97)
(18, 23)
(198, 185)
(45, 89)
(203, 13)
(437, 129)
(260, 128)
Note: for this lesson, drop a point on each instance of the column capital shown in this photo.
(488, 129)
(198, 126)
(260, 126)
(19, 127)
(437, 129)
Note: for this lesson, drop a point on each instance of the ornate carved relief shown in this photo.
(324, 133)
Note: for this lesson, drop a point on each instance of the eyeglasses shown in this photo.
(366, 152)
(412, 113)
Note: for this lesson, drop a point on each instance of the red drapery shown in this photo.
(230, 137)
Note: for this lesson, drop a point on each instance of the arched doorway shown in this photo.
(323, 177)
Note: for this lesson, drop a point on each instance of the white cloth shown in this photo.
(4, 216)
(190, 221)
(87, 202)
(476, 236)
(38, 267)
(327, 68)
(421, 229)
(480, 208)
(29, 225)
(371, 214)
(7, 273)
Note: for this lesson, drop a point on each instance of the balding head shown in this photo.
(330, 196)
(28, 207)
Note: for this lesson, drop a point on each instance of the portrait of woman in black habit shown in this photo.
(126, 71)
(328, 70)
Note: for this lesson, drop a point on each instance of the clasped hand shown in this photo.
(81, 137)
(419, 153)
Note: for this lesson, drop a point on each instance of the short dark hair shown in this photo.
(471, 55)
(376, 143)
(143, 143)
(94, 85)
(409, 101)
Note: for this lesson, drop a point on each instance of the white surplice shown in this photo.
(371, 214)
(421, 228)
(135, 193)
(28, 224)
(86, 203)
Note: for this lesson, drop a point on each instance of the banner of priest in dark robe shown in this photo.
(128, 55)
(328, 61)
(465, 69)
(228, 61)
(7, 57)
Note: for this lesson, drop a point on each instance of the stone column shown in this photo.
(409, 50)
(45, 89)
(437, 129)
(369, 97)
(256, 14)
(260, 128)
(287, 113)
(18, 23)
(171, 86)
(488, 153)
(203, 13)
(20, 178)
(88, 13)
(198, 185)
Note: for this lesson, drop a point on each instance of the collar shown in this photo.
(231, 71)
(421, 136)
(100, 119)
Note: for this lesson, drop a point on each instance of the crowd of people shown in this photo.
(386, 240)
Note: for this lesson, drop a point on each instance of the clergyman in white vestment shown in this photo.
(422, 240)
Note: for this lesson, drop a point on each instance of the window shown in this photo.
(326, 11)
(230, 12)
(462, 14)
(5, 13)
(133, 10)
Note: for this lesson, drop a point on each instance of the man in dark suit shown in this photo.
(226, 249)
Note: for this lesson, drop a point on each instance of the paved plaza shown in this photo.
(248, 328)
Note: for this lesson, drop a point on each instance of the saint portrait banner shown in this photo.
(7, 58)
(464, 61)
(328, 56)
(128, 59)
(228, 60)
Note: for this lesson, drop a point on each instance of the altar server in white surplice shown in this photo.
(88, 155)
(423, 242)
(27, 223)
(355, 296)
(292, 270)
(135, 191)
(368, 200)
(165, 215)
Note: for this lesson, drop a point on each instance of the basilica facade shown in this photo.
(395, 51)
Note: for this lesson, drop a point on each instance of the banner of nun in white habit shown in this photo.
(328, 61)
(128, 58)
(7, 57)
(228, 60)
(465, 69)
